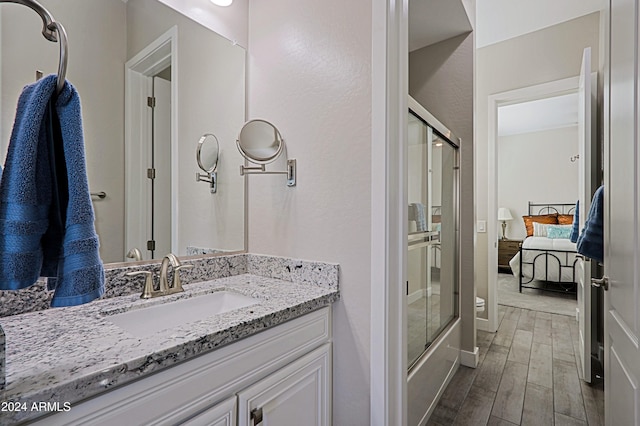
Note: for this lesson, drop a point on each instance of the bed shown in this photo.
(553, 261)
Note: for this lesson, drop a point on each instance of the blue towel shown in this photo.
(47, 229)
(591, 240)
(575, 226)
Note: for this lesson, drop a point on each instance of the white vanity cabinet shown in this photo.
(297, 394)
(282, 373)
(221, 414)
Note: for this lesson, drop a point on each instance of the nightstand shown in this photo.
(506, 250)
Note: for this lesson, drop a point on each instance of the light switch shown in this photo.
(482, 226)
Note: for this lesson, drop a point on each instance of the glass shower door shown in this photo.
(432, 288)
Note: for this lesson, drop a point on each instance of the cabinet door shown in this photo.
(222, 414)
(297, 394)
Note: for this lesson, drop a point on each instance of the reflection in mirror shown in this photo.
(207, 155)
(260, 142)
(144, 134)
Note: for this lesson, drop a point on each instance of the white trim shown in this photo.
(418, 294)
(470, 359)
(152, 59)
(483, 324)
(418, 370)
(175, 197)
(388, 350)
(540, 91)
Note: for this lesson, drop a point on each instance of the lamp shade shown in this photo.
(504, 214)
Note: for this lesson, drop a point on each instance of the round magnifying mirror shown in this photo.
(207, 153)
(260, 141)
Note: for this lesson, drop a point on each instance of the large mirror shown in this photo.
(152, 82)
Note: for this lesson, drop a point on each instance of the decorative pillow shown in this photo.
(540, 229)
(565, 219)
(559, 231)
(545, 218)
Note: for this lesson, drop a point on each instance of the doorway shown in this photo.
(551, 261)
(150, 145)
(545, 133)
(496, 102)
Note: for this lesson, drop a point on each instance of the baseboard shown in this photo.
(470, 359)
(483, 324)
(418, 294)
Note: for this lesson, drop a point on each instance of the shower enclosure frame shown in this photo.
(429, 375)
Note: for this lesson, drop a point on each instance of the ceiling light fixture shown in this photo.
(222, 3)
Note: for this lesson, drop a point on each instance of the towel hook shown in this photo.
(52, 31)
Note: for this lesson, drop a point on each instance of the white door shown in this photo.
(585, 188)
(298, 394)
(162, 164)
(621, 212)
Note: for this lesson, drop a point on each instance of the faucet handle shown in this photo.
(177, 283)
(147, 290)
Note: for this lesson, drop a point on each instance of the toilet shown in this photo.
(479, 304)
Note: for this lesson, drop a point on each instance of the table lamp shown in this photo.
(504, 214)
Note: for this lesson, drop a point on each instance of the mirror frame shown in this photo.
(266, 160)
(199, 153)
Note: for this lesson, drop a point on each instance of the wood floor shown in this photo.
(527, 375)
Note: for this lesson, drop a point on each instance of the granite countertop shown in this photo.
(69, 354)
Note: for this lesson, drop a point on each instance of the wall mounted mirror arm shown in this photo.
(207, 154)
(210, 178)
(290, 172)
(260, 142)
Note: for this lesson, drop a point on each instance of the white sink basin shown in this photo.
(148, 320)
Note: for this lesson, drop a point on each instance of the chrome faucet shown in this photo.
(176, 285)
(164, 287)
(135, 254)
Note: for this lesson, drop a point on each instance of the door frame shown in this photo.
(530, 93)
(388, 334)
(155, 57)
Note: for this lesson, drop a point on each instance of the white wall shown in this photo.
(310, 74)
(500, 20)
(91, 59)
(547, 55)
(230, 22)
(211, 99)
(536, 167)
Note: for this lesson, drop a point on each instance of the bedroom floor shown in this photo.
(527, 375)
(536, 300)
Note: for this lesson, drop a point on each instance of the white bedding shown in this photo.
(540, 260)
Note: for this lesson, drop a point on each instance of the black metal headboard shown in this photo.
(550, 208)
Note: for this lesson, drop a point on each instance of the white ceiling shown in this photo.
(432, 21)
(499, 20)
(535, 116)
